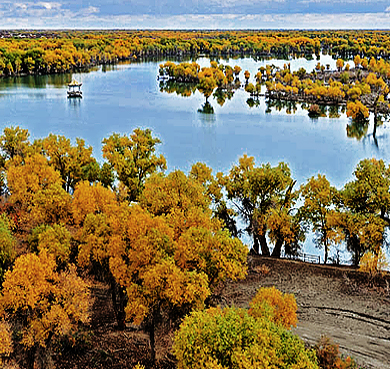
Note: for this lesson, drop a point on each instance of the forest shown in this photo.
(37, 52)
(162, 242)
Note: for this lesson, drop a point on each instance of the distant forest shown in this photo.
(56, 52)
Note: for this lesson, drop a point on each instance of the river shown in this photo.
(126, 96)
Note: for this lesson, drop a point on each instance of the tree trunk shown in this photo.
(150, 329)
(152, 341)
(326, 254)
(31, 357)
(264, 246)
(118, 306)
(375, 125)
(256, 246)
(276, 252)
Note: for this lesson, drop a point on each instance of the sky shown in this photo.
(195, 14)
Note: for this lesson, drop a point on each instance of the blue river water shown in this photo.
(126, 96)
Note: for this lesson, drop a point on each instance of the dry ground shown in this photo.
(337, 302)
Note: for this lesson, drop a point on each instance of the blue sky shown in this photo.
(196, 14)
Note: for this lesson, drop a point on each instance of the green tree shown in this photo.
(133, 159)
(263, 196)
(366, 200)
(7, 246)
(230, 338)
(319, 198)
(14, 141)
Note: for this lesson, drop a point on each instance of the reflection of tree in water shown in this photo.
(316, 111)
(252, 102)
(36, 81)
(206, 108)
(182, 89)
(378, 121)
(333, 111)
(357, 128)
(279, 105)
(221, 95)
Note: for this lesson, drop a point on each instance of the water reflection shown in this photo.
(222, 95)
(74, 102)
(36, 82)
(334, 111)
(251, 102)
(206, 108)
(181, 89)
(357, 128)
(279, 105)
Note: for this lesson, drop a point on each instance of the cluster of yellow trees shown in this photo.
(63, 51)
(161, 242)
(185, 78)
(361, 89)
(364, 88)
(152, 239)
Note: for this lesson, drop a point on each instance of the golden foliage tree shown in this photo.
(278, 307)
(357, 110)
(171, 261)
(263, 197)
(36, 188)
(374, 263)
(167, 256)
(73, 162)
(25, 180)
(93, 199)
(47, 304)
(14, 142)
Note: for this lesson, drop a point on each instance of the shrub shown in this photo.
(278, 307)
(231, 338)
(262, 269)
(328, 355)
(373, 264)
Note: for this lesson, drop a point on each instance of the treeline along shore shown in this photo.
(43, 52)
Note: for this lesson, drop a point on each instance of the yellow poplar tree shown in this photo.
(133, 158)
(167, 256)
(47, 304)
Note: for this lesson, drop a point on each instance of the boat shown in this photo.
(74, 89)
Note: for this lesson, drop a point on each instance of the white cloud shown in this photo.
(89, 18)
(48, 5)
(387, 9)
(88, 11)
(22, 6)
